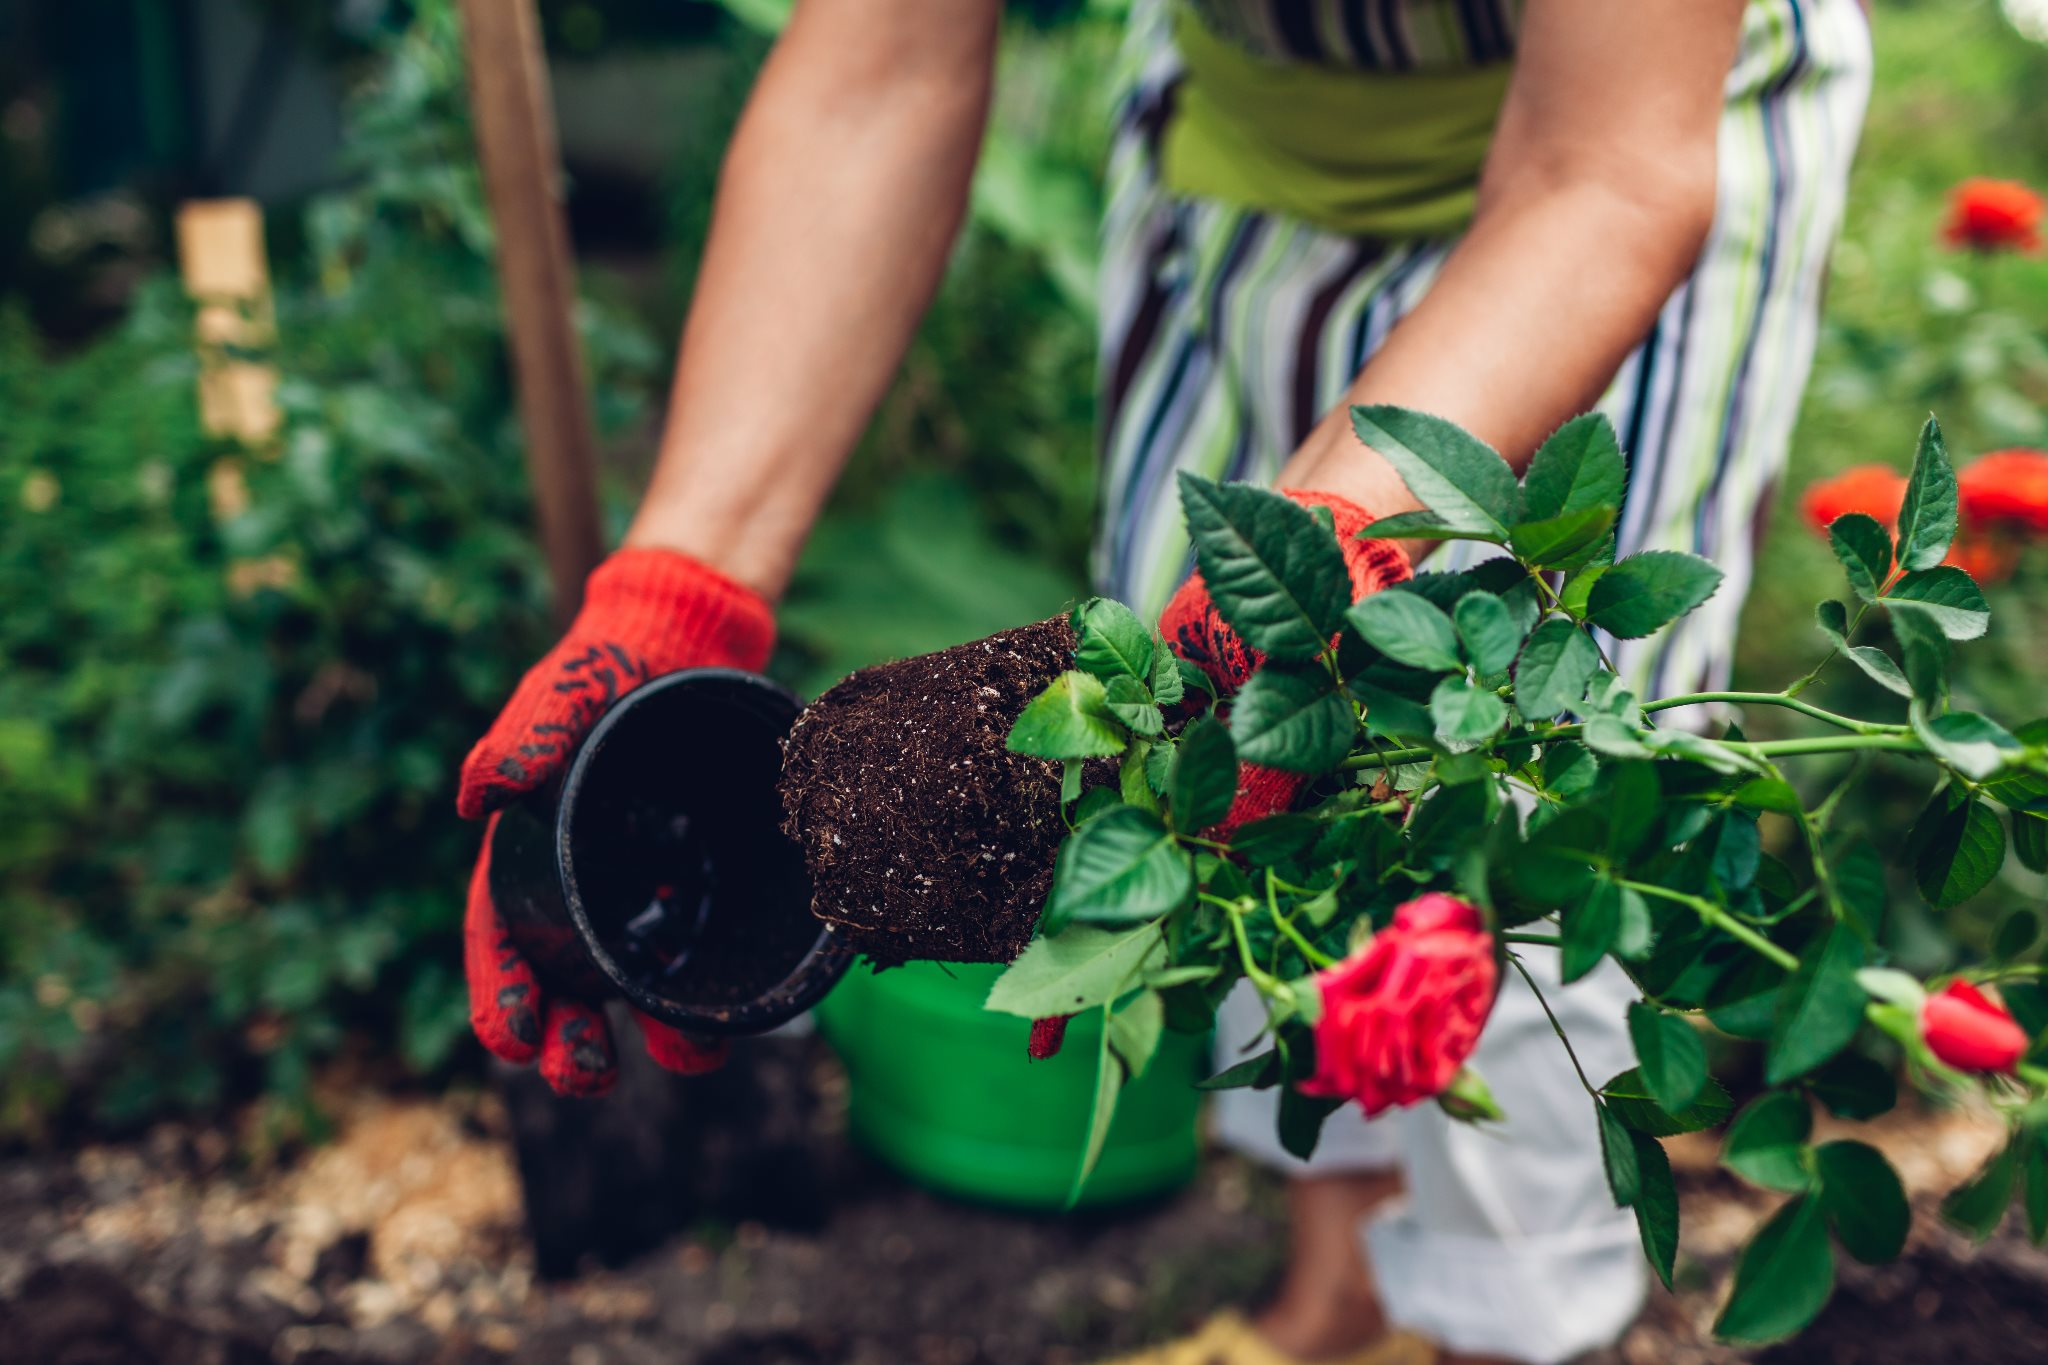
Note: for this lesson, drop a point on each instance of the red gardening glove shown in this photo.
(1197, 632)
(646, 612)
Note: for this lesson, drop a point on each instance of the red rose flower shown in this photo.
(1970, 1031)
(1993, 215)
(2006, 487)
(1401, 1015)
(1873, 489)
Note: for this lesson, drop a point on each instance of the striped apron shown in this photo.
(1227, 332)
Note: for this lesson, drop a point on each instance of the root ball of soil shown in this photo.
(926, 838)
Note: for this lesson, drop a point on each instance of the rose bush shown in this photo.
(1475, 779)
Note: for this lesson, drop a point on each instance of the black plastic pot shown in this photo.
(657, 871)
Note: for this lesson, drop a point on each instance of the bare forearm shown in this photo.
(1533, 314)
(1594, 202)
(841, 197)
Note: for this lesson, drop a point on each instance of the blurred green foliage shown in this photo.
(236, 682)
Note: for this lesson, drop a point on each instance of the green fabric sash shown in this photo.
(1368, 153)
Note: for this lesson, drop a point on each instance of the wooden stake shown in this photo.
(222, 262)
(515, 134)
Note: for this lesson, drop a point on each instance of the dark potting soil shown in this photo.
(926, 838)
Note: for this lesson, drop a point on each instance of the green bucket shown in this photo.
(941, 1089)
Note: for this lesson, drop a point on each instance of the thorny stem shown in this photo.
(1719, 918)
(1555, 1027)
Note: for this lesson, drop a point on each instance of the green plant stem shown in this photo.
(1719, 918)
(1261, 978)
(1790, 703)
(1555, 1027)
(1533, 940)
(1889, 741)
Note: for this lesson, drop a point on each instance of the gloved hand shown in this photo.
(645, 612)
(1197, 632)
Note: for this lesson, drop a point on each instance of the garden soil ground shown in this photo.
(400, 1241)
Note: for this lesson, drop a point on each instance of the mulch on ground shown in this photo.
(401, 1241)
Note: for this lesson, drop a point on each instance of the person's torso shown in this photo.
(1370, 117)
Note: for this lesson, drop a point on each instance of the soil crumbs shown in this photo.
(926, 838)
(400, 1242)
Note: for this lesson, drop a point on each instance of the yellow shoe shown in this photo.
(1229, 1339)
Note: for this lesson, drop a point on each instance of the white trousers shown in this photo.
(1505, 1240)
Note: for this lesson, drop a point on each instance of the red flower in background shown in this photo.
(1874, 489)
(1970, 1031)
(2006, 487)
(1993, 215)
(1401, 1015)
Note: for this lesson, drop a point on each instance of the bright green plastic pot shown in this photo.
(941, 1090)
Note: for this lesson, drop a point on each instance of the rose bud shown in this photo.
(1403, 1013)
(1970, 1031)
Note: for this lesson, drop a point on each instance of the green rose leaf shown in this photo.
(1489, 631)
(1456, 475)
(1589, 930)
(1578, 588)
(1865, 549)
(1629, 1097)
(1853, 1086)
(1833, 619)
(1672, 1058)
(1950, 597)
(1077, 969)
(1927, 518)
(1257, 1073)
(1423, 525)
(1295, 719)
(1110, 1075)
(1134, 1030)
(1618, 1157)
(1131, 703)
(1656, 1205)
(1580, 468)
(1275, 574)
(1783, 1278)
(1167, 683)
(1202, 781)
(1979, 1206)
(2030, 840)
(1070, 719)
(1121, 867)
(1408, 629)
(1556, 664)
(1820, 1008)
(1958, 845)
(1111, 641)
(1766, 1145)
(1392, 716)
(1646, 592)
(1924, 648)
(1559, 540)
(1862, 1197)
(1974, 745)
(1465, 712)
